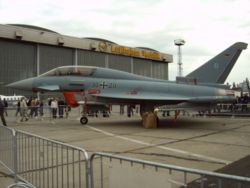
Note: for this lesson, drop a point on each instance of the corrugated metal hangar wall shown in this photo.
(22, 59)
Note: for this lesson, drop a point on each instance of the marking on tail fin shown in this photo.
(217, 69)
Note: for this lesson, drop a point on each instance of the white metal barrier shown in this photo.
(43, 162)
(7, 148)
(117, 171)
(40, 162)
(20, 184)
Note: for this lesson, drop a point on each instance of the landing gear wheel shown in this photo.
(84, 120)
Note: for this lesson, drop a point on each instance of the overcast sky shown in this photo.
(207, 26)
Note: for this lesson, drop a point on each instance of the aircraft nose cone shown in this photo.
(22, 84)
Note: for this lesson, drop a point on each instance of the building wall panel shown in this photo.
(119, 62)
(52, 57)
(17, 62)
(142, 67)
(91, 58)
(160, 70)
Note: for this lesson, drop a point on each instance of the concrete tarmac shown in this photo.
(192, 142)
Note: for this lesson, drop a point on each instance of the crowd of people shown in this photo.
(130, 109)
(33, 108)
(29, 108)
(241, 104)
(59, 106)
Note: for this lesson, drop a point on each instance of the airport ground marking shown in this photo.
(160, 147)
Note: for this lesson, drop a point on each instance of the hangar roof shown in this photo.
(146, 48)
(33, 27)
(99, 39)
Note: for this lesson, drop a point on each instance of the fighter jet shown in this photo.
(90, 85)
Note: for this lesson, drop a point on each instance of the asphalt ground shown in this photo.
(214, 144)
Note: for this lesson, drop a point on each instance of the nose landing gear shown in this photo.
(84, 120)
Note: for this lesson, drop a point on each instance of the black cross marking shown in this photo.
(103, 85)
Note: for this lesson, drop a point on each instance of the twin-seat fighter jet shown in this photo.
(101, 86)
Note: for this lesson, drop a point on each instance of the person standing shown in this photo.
(61, 106)
(121, 109)
(5, 106)
(36, 105)
(40, 107)
(33, 107)
(2, 107)
(23, 108)
(54, 106)
(18, 107)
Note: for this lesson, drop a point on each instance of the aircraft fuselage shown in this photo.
(137, 90)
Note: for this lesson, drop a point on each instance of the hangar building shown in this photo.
(28, 51)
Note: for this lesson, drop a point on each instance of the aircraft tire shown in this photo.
(84, 120)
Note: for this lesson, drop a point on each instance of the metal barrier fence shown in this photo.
(20, 184)
(43, 162)
(7, 148)
(116, 171)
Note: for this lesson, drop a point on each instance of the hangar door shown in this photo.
(18, 61)
(52, 57)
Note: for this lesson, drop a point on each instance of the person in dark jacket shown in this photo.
(2, 107)
(6, 106)
(61, 106)
(18, 108)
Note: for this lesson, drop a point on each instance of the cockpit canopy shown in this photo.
(71, 71)
(96, 72)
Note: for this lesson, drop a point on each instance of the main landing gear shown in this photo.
(149, 117)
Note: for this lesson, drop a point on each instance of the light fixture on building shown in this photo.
(93, 46)
(19, 35)
(60, 41)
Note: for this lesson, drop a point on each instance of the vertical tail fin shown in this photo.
(217, 69)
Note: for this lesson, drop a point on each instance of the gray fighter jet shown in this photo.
(101, 86)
